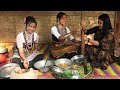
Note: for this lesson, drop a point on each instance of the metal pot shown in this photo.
(78, 59)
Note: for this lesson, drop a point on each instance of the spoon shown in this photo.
(43, 68)
(45, 63)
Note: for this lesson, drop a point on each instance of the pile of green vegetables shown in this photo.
(79, 72)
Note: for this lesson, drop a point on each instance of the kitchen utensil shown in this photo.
(64, 63)
(40, 65)
(78, 59)
(5, 70)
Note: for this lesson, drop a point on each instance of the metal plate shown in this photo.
(6, 69)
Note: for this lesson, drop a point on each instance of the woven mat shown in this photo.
(112, 72)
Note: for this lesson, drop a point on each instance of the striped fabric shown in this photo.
(44, 49)
(112, 70)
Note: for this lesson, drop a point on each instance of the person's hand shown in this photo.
(61, 37)
(26, 64)
(85, 38)
(83, 24)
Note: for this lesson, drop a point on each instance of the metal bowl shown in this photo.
(78, 59)
(57, 70)
(40, 65)
(66, 61)
(5, 70)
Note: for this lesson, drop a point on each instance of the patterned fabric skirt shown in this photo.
(98, 57)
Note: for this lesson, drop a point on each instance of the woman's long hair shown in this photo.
(106, 24)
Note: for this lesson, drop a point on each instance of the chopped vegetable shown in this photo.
(67, 74)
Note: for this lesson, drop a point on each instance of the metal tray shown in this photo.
(6, 69)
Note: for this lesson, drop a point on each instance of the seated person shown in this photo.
(61, 34)
(27, 44)
(101, 52)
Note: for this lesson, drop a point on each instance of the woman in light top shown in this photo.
(27, 44)
(61, 33)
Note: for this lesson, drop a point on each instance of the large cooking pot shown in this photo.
(5, 70)
(78, 59)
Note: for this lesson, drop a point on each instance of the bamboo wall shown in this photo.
(11, 22)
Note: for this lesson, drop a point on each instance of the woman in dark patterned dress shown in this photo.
(100, 53)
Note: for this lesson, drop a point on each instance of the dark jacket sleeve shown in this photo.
(92, 30)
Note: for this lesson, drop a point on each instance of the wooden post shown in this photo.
(82, 38)
(83, 50)
(117, 28)
(82, 42)
(83, 47)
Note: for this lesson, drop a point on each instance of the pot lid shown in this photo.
(3, 49)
